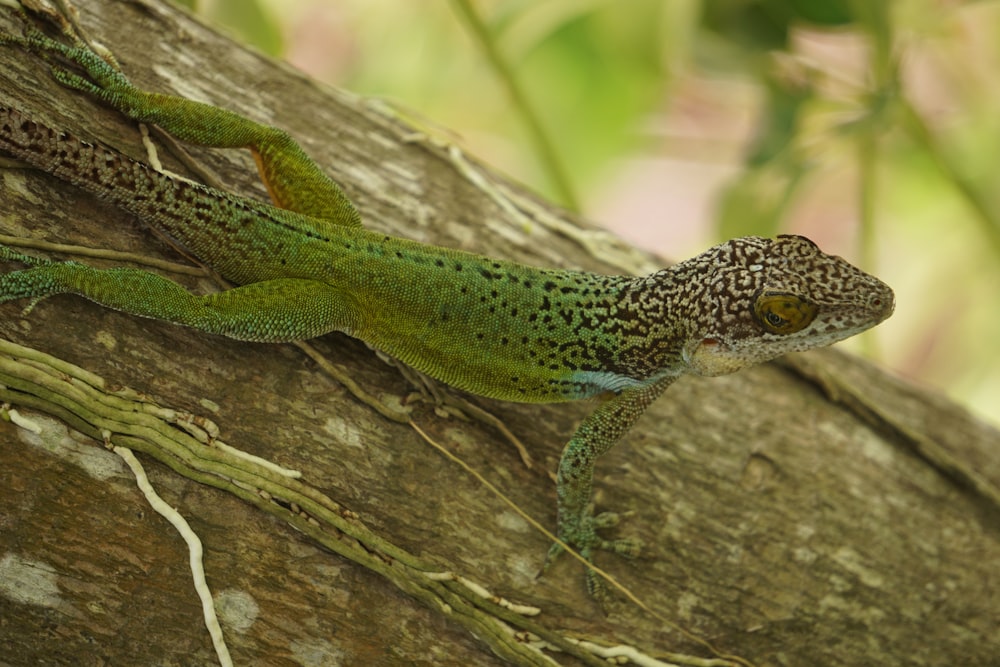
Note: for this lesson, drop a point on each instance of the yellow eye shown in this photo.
(783, 313)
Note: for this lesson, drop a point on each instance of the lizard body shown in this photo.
(306, 266)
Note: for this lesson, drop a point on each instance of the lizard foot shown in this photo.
(102, 77)
(582, 536)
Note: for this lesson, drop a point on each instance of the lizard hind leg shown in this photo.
(294, 181)
(270, 311)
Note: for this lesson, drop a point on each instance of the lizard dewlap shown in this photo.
(306, 266)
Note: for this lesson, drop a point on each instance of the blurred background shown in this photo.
(871, 127)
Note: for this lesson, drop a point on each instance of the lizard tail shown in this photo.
(94, 167)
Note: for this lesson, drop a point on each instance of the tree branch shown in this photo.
(786, 519)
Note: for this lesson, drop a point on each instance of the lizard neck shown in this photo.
(654, 322)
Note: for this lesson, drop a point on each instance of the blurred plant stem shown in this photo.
(547, 152)
(922, 135)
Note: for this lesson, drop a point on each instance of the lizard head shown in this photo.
(760, 298)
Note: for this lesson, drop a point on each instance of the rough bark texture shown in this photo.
(792, 514)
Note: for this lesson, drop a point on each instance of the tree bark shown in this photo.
(814, 512)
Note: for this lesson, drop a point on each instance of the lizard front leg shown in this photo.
(596, 435)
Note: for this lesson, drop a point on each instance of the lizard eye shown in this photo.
(783, 313)
(775, 320)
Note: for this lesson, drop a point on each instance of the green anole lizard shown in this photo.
(305, 266)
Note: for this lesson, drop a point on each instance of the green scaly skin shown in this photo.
(306, 267)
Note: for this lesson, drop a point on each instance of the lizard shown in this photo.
(304, 265)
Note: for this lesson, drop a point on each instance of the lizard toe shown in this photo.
(629, 547)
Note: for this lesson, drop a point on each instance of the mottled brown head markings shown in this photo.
(765, 297)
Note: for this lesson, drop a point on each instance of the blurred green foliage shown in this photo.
(247, 20)
(759, 29)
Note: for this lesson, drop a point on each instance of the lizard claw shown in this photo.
(598, 590)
